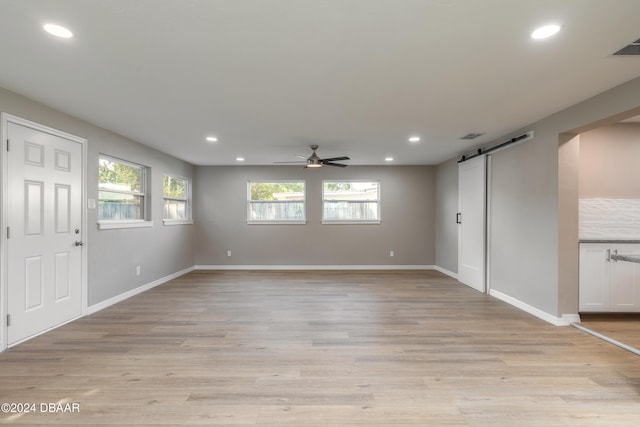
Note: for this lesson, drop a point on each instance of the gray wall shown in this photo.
(407, 211)
(522, 221)
(113, 254)
(446, 209)
(609, 158)
(533, 222)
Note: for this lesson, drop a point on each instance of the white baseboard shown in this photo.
(565, 320)
(570, 319)
(445, 271)
(314, 267)
(125, 295)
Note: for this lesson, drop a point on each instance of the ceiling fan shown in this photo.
(314, 161)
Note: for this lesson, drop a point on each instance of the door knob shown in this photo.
(79, 243)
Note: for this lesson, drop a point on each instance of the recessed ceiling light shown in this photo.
(545, 31)
(58, 31)
(414, 139)
(212, 139)
(240, 159)
(388, 159)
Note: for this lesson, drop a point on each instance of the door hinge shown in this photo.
(8, 232)
(7, 145)
(8, 320)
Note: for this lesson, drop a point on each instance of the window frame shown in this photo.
(144, 193)
(187, 200)
(378, 200)
(281, 221)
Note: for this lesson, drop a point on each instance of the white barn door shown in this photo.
(44, 241)
(472, 222)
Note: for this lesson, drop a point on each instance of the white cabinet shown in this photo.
(625, 281)
(607, 285)
(594, 276)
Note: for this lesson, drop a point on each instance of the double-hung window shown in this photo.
(351, 202)
(176, 195)
(122, 194)
(276, 202)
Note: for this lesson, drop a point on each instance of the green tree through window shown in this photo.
(174, 187)
(127, 176)
(276, 201)
(266, 190)
(121, 190)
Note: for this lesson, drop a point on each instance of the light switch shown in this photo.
(91, 203)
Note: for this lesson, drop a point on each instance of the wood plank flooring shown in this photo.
(624, 328)
(320, 349)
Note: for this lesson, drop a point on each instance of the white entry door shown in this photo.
(471, 220)
(44, 231)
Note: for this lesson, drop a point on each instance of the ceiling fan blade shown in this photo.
(333, 159)
(340, 165)
(301, 157)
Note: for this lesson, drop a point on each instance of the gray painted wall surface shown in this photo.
(529, 227)
(113, 254)
(408, 218)
(446, 209)
(522, 222)
(609, 158)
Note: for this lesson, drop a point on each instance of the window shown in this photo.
(176, 196)
(122, 194)
(276, 202)
(351, 202)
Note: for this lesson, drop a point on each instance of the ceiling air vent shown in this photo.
(632, 49)
(472, 135)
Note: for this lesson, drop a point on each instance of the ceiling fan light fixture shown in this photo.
(314, 161)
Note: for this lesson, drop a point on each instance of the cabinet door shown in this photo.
(625, 281)
(594, 277)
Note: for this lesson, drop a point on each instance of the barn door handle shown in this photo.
(459, 218)
(79, 243)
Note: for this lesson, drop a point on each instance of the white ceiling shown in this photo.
(358, 77)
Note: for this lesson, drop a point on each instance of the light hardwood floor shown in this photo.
(321, 349)
(624, 328)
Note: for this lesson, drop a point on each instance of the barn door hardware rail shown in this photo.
(481, 151)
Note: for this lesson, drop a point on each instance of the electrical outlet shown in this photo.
(137, 270)
(391, 253)
(228, 253)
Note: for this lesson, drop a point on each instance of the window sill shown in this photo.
(376, 221)
(276, 222)
(113, 224)
(177, 221)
